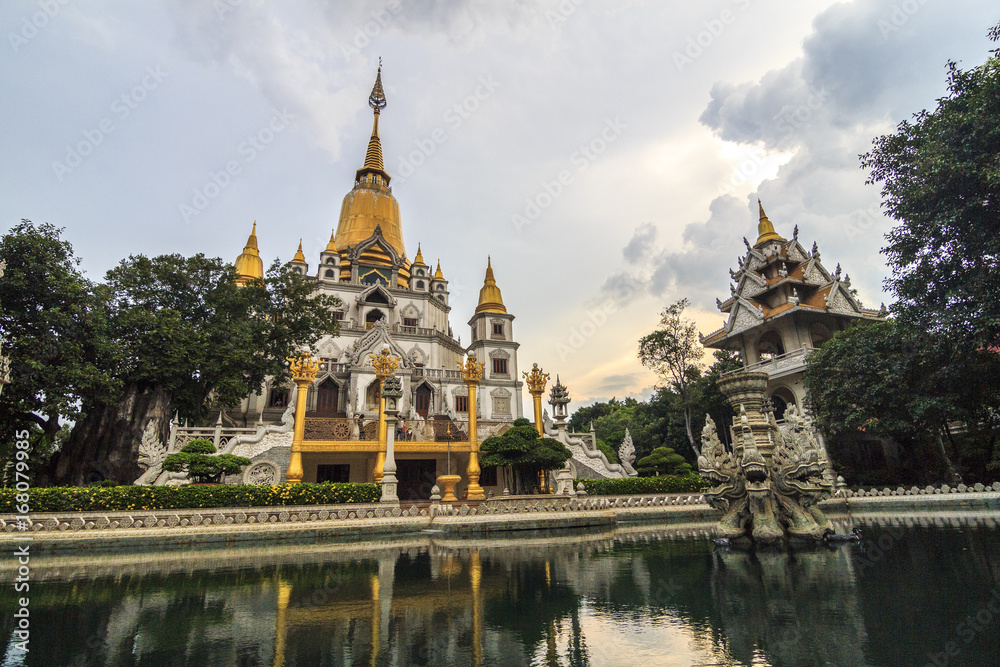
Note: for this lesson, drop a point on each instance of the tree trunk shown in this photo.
(105, 443)
(951, 475)
(690, 432)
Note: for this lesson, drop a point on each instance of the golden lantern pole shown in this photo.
(304, 369)
(385, 365)
(472, 373)
(536, 387)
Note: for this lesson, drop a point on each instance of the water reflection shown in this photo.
(632, 596)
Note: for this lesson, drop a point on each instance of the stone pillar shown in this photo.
(536, 387)
(392, 390)
(304, 369)
(472, 373)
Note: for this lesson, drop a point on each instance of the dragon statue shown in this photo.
(769, 486)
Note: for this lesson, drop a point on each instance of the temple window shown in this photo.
(279, 397)
(409, 321)
(461, 404)
(500, 367)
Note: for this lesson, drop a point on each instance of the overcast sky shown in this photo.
(607, 154)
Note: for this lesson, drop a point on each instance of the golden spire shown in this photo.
(332, 245)
(419, 259)
(299, 257)
(765, 230)
(437, 274)
(490, 299)
(249, 265)
(373, 157)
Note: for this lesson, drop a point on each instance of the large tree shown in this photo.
(673, 351)
(53, 322)
(940, 176)
(173, 332)
(889, 379)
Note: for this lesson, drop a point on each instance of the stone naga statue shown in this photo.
(767, 495)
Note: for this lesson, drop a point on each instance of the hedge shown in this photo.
(134, 498)
(639, 485)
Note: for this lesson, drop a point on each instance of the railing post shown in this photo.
(218, 431)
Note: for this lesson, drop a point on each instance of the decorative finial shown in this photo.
(795, 233)
(746, 243)
(377, 99)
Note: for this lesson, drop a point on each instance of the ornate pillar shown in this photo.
(4, 361)
(472, 373)
(304, 369)
(536, 387)
(392, 390)
(385, 365)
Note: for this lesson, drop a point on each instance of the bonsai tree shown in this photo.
(199, 460)
(662, 461)
(523, 455)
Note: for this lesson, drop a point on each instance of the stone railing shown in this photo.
(220, 436)
(783, 362)
(430, 430)
(437, 373)
(918, 491)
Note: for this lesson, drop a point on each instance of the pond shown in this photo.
(922, 592)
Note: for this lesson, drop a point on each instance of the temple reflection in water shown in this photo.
(631, 596)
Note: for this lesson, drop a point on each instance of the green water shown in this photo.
(633, 596)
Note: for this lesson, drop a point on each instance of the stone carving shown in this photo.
(151, 455)
(768, 487)
(626, 453)
(261, 474)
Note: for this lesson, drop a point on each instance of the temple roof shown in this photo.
(249, 265)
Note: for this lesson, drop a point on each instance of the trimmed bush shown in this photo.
(632, 486)
(136, 498)
(198, 459)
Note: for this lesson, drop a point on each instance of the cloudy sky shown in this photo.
(607, 153)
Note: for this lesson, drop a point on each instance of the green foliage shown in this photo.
(523, 450)
(939, 176)
(663, 461)
(136, 498)
(691, 483)
(674, 353)
(53, 325)
(199, 446)
(890, 380)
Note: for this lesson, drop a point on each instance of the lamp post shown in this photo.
(536, 387)
(392, 390)
(385, 365)
(472, 373)
(304, 369)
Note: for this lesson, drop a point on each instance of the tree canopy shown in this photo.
(940, 176)
(662, 461)
(525, 452)
(159, 335)
(674, 353)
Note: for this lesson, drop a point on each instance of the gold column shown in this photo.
(304, 369)
(536, 387)
(475, 578)
(281, 631)
(472, 373)
(385, 365)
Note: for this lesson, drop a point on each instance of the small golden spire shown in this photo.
(419, 259)
(437, 274)
(373, 157)
(249, 265)
(332, 245)
(299, 257)
(765, 230)
(490, 299)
